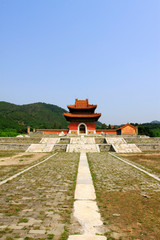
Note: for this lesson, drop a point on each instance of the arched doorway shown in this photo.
(82, 129)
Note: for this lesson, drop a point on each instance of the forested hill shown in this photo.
(36, 115)
(15, 119)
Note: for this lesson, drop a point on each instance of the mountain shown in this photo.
(155, 122)
(36, 115)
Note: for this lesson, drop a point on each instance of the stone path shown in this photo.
(25, 170)
(133, 165)
(38, 203)
(85, 207)
(128, 198)
(113, 174)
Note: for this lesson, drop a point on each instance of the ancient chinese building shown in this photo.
(82, 117)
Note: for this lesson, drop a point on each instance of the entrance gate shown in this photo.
(82, 129)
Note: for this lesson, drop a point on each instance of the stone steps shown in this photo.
(115, 140)
(83, 148)
(125, 148)
(40, 148)
(50, 140)
(82, 140)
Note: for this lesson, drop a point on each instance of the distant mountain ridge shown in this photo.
(36, 115)
(155, 122)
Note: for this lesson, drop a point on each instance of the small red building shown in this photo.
(127, 129)
(82, 117)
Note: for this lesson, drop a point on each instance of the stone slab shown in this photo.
(87, 212)
(37, 231)
(15, 227)
(85, 192)
(86, 237)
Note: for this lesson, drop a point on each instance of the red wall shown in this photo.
(128, 130)
(74, 126)
(52, 130)
(108, 131)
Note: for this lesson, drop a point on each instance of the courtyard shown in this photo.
(38, 204)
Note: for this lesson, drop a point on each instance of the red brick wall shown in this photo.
(108, 131)
(128, 130)
(52, 130)
(74, 126)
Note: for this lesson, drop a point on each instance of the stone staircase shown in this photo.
(82, 140)
(115, 140)
(125, 148)
(83, 148)
(40, 148)
(82, 144)
(119, 145)
(50, 140)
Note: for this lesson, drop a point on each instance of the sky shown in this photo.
(108, 51)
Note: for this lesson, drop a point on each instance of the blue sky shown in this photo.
(108, 51)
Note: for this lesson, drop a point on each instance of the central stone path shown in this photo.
(85, 207)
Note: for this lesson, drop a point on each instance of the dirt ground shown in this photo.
(128, 199)
(12, 162)
(148, 160)
(38, 204)
(21, 158)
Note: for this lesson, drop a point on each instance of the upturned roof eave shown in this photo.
(88, 107)
(82, 115)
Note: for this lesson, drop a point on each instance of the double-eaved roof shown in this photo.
(84, 111)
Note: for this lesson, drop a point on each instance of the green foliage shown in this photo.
(156, 132)
(149, 129)
(98, 125)
(8, 132)
(103, 126)
(15, 118)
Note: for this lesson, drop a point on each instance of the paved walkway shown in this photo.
(25, 170)
(133, 165)
(38, 203)
(85, 207)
